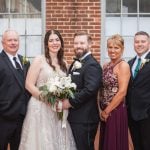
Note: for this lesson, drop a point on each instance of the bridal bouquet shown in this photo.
(56, 89)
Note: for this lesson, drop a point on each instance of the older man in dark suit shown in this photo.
(138, 96)
(87, 74)
(13, 96)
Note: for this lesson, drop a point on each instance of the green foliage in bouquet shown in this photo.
(58, 88)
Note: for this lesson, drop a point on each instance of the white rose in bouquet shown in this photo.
(52, 88)
(56, 89)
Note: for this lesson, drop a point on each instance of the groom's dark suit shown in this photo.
(84, 116)
(13, 99)
(138, 103)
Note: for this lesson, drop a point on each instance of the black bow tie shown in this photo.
(76, 59)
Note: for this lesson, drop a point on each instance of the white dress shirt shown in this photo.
(12, 61)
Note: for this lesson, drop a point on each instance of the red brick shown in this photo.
(69, 16)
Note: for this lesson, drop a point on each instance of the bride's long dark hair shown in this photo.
(60, 54)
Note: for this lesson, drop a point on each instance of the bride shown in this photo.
(42, 129)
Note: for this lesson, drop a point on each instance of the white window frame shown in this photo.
(103, 30)
(43, 11)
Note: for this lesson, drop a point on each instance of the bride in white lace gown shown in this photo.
(42, 130)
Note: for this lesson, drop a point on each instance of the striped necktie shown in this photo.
(17, 64)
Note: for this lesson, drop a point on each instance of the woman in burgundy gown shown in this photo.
(116, 74)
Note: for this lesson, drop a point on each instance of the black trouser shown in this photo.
(140, 133)
(84, 135)
(10, 132)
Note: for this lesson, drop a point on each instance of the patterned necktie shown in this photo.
(18, 67)
(137, 67)
(19, 70)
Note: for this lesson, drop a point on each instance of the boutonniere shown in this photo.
(25, 60)
(77, 65)
(143, 62)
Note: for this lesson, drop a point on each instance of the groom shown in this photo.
(86, 73)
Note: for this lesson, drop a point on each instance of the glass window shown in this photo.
(112, 25)
(129, 6)
(113, 6)
(144, 23)
(24, 16)
(33, 6)
(20, 6)
(144, 6)
(125, 17)
(3, 6)
(129, 25)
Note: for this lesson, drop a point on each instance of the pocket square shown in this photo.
(76, 73)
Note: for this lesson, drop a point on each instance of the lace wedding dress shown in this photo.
(41, 129)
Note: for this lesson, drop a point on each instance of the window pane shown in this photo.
(130, 6)
(113, 6)
(34, 26)
(33, 6)
(132, 18)
(144, 23)
(106, 58)
(33, 46)
(129, 48)
(22, 46)
(17, 6)
(18, 24)
(24, 16)
(129, 26)
(112, 25)
(3, 8)
(3, 25)
(144, 6)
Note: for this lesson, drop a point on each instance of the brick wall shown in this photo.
(69, 16)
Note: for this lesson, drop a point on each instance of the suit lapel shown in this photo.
(86, 58)
(70, 68)
(10, 65)
(82, 61)
(147, 57)
(144, 66)
(24, 67)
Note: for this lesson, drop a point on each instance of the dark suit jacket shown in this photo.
(88, 81)
(13, 96)
(138, 95)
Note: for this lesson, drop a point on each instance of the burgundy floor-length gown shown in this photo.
(114, 132)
